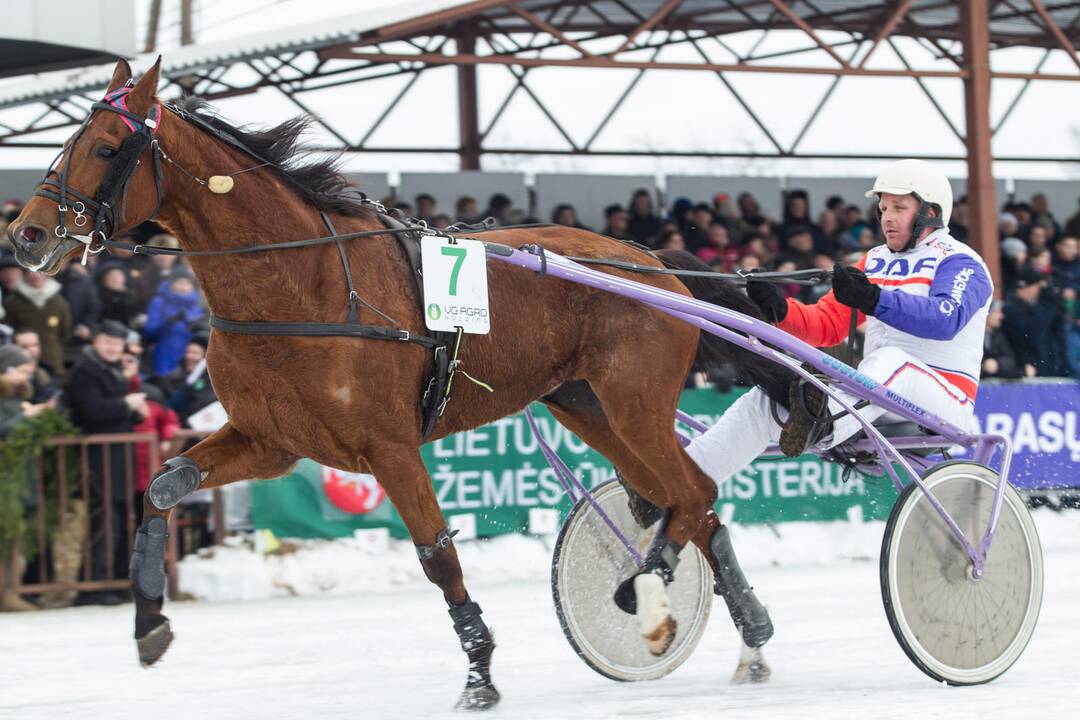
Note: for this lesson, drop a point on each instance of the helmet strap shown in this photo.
(923, 220)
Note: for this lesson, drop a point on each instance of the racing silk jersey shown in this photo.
(933, 305)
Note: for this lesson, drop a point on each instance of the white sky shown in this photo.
(668, 109)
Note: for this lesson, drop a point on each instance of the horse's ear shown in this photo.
(120, 75)
(142, 95)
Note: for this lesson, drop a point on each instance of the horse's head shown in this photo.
(106, 180)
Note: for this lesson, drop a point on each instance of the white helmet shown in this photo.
(918, 178)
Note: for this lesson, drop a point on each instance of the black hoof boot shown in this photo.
(152, 632)
(748, 614)
(180, 478)
(478, 644)
(155, 642)
(147, 569)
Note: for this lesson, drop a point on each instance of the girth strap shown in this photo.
(301, 329)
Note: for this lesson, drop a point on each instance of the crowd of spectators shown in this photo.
(118, 345)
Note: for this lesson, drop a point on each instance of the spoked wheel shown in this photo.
(590, 562)
(956, 628)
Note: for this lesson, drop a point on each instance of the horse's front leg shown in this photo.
(402, 474)
(224, 457)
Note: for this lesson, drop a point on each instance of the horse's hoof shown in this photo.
(181, 478)
(154, 644)
(752, 668)
(654, 613)
(478, 698)
(661, 638)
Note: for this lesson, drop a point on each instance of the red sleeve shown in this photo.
(823, 324)
(170, 423)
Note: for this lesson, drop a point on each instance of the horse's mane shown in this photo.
(317, 180)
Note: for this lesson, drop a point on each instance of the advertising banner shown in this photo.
(494, 479)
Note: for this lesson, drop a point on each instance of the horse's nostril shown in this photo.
(32, 234)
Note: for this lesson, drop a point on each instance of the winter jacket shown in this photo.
(95, 392)
(119, 305)
(165, 423)
(46, 312)
(168, 326)
(1036, 333)
(997, 347)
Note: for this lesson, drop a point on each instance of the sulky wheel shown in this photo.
(588, 565)
(955, 627)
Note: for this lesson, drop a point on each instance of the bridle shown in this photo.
(103, 208)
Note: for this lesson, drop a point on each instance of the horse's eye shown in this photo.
(105, 152)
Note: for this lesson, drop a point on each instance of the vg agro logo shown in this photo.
(434, 311)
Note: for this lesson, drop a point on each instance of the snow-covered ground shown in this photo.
(373, 641)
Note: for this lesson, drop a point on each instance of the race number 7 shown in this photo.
(458, 253)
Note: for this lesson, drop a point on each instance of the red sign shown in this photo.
(356, 493)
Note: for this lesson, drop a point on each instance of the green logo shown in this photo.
(434, 311)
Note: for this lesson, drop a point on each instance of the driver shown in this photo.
(924, 297)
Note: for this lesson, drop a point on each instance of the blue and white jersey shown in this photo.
(934, 302)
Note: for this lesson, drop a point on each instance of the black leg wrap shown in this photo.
(478, 644)
(662, 559)
(148, 559)
(442, 542)
(180, 478)
(748, 614)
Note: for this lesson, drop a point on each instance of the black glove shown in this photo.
(854, 289)
(768, 298)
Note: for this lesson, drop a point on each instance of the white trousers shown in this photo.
(747, 428)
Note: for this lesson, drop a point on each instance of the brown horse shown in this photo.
(609, 369)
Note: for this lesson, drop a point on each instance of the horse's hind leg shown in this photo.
(224, 457)
(636, 416)
(648, 457)
(401, 472)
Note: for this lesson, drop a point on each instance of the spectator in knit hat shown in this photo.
(169, 322)
(1008, 225)
(1014, 255)
(1034, 326)
(99, 395)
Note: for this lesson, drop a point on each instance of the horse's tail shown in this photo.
(712, 351)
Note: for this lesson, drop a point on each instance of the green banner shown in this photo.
(490, 479)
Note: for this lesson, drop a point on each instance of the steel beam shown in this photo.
(468, 108)
(649, 24)
(802, 25)
(887, 29)
(982, 213)
(602, 62)
(1056, 31)
(541, 24)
